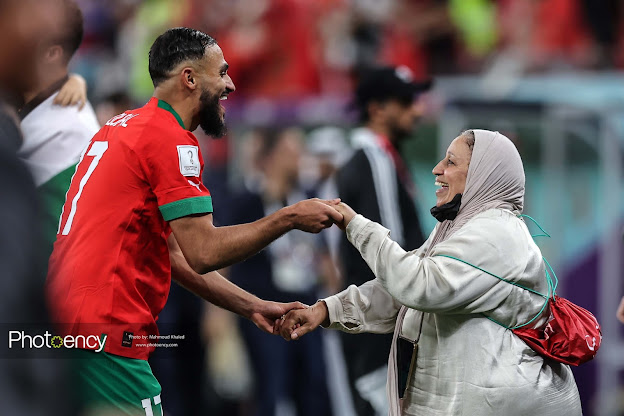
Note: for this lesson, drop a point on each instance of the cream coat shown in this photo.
(466, 364)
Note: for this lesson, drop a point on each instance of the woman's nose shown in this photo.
(437, 170)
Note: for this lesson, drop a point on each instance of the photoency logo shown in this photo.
(20, 339)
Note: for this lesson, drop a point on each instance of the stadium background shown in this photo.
(546, 73)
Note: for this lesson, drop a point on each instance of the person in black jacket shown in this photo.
(376, 183)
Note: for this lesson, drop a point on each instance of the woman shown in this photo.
(465, 363)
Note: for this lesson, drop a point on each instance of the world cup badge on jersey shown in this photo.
(189, 160)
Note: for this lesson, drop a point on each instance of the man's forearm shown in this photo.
(235, 243)
(208, 248)
(212, 287)
(216, 247)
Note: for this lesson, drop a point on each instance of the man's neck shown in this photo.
(28, 97)
(181, 105)
(11, 99)
(34, 98)
(44, 86)
(381, 130)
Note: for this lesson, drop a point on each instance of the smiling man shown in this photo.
(137, 215)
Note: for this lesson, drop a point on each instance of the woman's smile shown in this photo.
(443, 188)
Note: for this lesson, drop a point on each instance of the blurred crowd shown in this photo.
(294, 48)
(289, 50)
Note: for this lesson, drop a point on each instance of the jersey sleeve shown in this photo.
(173, 169)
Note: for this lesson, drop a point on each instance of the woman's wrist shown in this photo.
(323, 313)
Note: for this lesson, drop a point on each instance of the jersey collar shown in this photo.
(165, 106)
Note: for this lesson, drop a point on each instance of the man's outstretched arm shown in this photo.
(207, 248)
(216, 289)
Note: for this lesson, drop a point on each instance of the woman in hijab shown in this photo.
(466, 362)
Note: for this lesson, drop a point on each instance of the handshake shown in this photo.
(293, 320)
(314, 215)
(296, 320)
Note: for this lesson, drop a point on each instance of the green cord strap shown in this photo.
(538, 226)
(552, 287)
(519, 326)
(547, 297)
(492, 274)
(550, 282)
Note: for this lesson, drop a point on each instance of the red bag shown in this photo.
(572, 335)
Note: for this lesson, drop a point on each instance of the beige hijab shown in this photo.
(495, 180)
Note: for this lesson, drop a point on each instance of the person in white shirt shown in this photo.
(55, 135)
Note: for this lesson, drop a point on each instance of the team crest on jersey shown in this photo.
(189, 160)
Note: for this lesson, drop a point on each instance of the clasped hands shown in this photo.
(314, 215)
(298, 322)
(296, 318)
(290, 320)
(347, 214)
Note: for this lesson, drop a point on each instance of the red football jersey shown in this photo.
(110, 271)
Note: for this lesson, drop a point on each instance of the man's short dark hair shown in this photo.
(173, 47)
(72, 32)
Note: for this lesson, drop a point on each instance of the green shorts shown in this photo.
(108, 384)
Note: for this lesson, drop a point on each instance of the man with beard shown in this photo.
(376, 183)
(137, 215)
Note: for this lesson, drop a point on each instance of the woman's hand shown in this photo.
(347, 215)
(267, 313)
(301, 321)
(73, 92)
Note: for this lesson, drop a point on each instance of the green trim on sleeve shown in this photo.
(167, 107)
(185, 207)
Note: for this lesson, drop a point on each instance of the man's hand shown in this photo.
(73, 92)
(267, 313)
(299, 322)
(347, 214)
(314, 215)
(620, 311)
